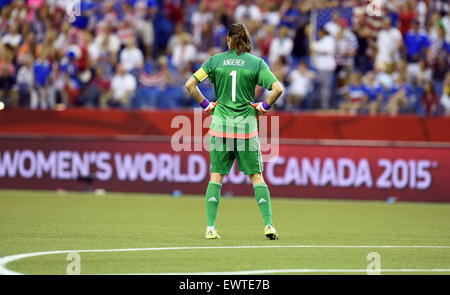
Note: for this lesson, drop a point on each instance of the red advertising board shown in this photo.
(299, 171)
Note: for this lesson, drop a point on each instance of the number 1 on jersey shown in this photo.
(233, 85)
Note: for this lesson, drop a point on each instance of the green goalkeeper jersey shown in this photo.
(235, 78)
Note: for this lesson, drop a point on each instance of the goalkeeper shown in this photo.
(234, 130)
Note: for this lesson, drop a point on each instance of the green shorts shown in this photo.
(247, 153)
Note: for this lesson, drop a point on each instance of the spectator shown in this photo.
(183, 53)
(346, 46)
(372, 23)
(98, 90)
(93, 49)
(362, 59)
(302, 33)
(289, 14)
(25, 81)
(161, 78)
(109, 42)
(247, 11)
(174, 10)
(445, 98)
(207, 41)
(440, 71)
(400, 70)
(220, 34)
(175, 39)
(406, 16)
(199, 18)
(123, 86)
(400, 98)
(438, 44)
(264, 40)
(71, 89)
(40, 23)
(281, 45)
(62, 40)
(42, 70)
(389, 42)
(28, 47)
(6, 84)
(333, 26)
(131, 57)
(13, 38)
(374, 93)
(430, 100)
(323, 60)
(221, 15)
(125, 32)
(416, 43)
(144, 28)
(301, 85)
(357, 96)
(420, 75)
(271, 15)
(19, 12)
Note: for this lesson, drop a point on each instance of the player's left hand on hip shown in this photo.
(260, 107)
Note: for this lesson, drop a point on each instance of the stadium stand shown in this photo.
(392, 61)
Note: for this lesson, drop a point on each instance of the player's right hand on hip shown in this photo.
(210, 108)
(260, 110)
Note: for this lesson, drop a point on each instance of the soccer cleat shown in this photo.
(212, 235)
(271, 233)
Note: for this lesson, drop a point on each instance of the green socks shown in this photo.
(263, 199)
(213, 198)
(212, 202)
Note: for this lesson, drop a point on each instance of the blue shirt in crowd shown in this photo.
(42, 72)
(357, 92)
(415, 43)
(373, 92)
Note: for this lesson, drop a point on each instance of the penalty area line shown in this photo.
(7, 259)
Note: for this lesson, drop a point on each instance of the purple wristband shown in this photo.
(266, 106)
(204, 103)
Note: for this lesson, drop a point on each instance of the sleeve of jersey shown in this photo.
(203, 72)
(265, 77)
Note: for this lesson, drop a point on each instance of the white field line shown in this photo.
(7, 259)
(300, 270)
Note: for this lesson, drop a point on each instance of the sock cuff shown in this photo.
(215, 184)
(262, 184)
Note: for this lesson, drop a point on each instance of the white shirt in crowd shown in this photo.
(445, 102)
(280, 47)
(388, 45)
(323, 57)
(94, 51)
(25, 76)
(198, 20)
(113, 42)
(332, 28)
(251, 12)
(120, 85)
(271, 18)
(131, 58)
(301, 84)
(12, 40)
(182, 55)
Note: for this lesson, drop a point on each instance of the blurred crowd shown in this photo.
(350, 56)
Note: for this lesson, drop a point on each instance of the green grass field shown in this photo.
(33, 221)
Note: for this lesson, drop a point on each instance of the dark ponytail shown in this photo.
(240, 39)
